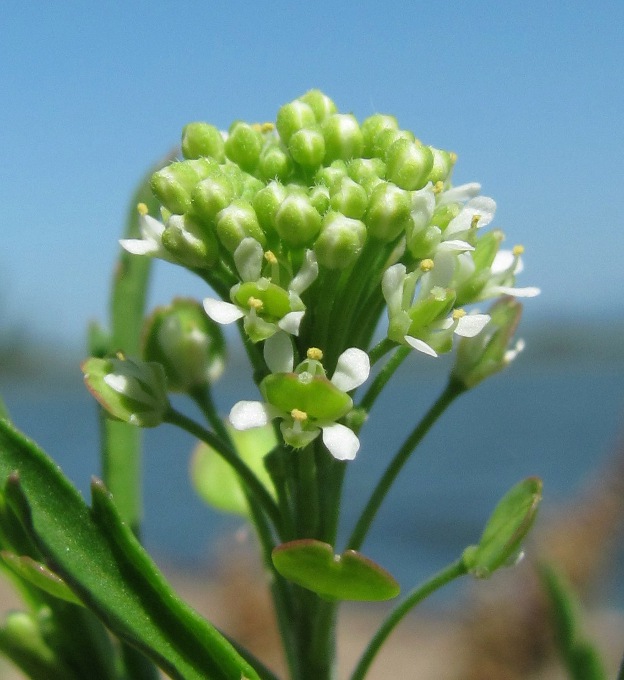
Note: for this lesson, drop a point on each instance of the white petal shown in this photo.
(421, 346)
(423, 205)
(222, 312)
(484, 206)
(306, 275)
(459, 194)
(278, 353)
(472, 324)
(454, 245)
(248, 259)
(503, 261)
(138, 247)
(340, 441)
(247, 414)
(151, 228)
(528, 292)
(290, 322)
(392, 286)
(352, 369)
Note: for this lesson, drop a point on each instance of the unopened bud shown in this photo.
(191, 244)
(343, 137)
(275, 163)
(320, 103)
(292, 117)
(212, 195)
(442, 165)
(389, 212)
(297, 221)
(266, 204)
(340, 242)
(243, 145)
(174, 184)
(236, 222)
(349, 198)
(307, 147)
(202, 139)
(372, 127)
(408, 164)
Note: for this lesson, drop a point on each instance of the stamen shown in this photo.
(269, 256)
(255, 303)
(458, 314)
(315, 354)
(438, 187)
(426, 265)
(518, 250)
(142, 209)
(453, 157)
(263, 127)
(120, 355)
(298, 416)
(475, 221)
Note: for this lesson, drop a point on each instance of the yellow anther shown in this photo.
(458, 314)
(142, 209)
(298, 415)
(426, 265)
(263, 127)
(269, 256)
(475, 221)
(255, 303)
(315, 354)
(120, 355)
(518, 250)
(438, 187)
(453, 157)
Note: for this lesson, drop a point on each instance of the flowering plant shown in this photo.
(337, 247)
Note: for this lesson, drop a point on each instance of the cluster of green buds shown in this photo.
(308, 228)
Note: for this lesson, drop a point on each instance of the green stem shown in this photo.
(260, 494)
(442, 578)
(307, 497)
(383, 377)
(380, 349)
(451, 392)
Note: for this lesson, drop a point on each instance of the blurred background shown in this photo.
(530, 97)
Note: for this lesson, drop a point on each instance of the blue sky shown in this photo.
(529, 95)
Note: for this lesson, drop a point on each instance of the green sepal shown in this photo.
(100, 559)
(350, 576)
(501, 541)
(39, 575)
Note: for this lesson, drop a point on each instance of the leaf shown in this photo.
(507, 527)
(99, 558)
(350, 576)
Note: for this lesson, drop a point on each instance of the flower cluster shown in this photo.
(308, 228)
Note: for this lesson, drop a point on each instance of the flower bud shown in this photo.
(292, 117)
(132, 391)
(372, 127)
(443, 215)
(320, 103)
(202, 139)
(191, 244)
(329, 175)
(489, 351)
(188, 345)
(307, 147)
(319, 197)
(210, 196)
(349, 198)
(367, 172)
(236, 222)
(431, 308)
(443, 162)
(388, 212)
(243, 145)
(266, 203)
(297, 222)
(343, 137)
(275, 163)
(387, 137)
(340, 242)
(408, 164)
(174, 184)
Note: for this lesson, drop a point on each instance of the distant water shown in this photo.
(560, 421)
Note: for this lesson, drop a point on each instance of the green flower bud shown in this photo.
(443, 214)
(389, 212)
(489, 351)
(408, 164)
(174, 184)
(316, 396)
(236, 176)
(372, 127)
(267, 202)
(486, 248)
(443, 162)
(191, 244)
(251, 186)
(275, 163)
(202, 139)
(343, 137)
(297, 222)
(387, 137)
(434, 306)
(320, 103)
(236, 222)
(367, 171)
(307, 147)
(340, 242)
(243, 145)
(319, 197)
(188, 345)
(331, 174)
(292, 117)
(132, 391)
(349, 198)
(423, 243)
(211, 195)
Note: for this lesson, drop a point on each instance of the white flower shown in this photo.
(507, 263)
(265, 306)
(150, 243)
(307, 403)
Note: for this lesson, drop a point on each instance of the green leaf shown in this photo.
(350, 576)
(39, 575)
(99, 558)
(215, 480)
(507, 527)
